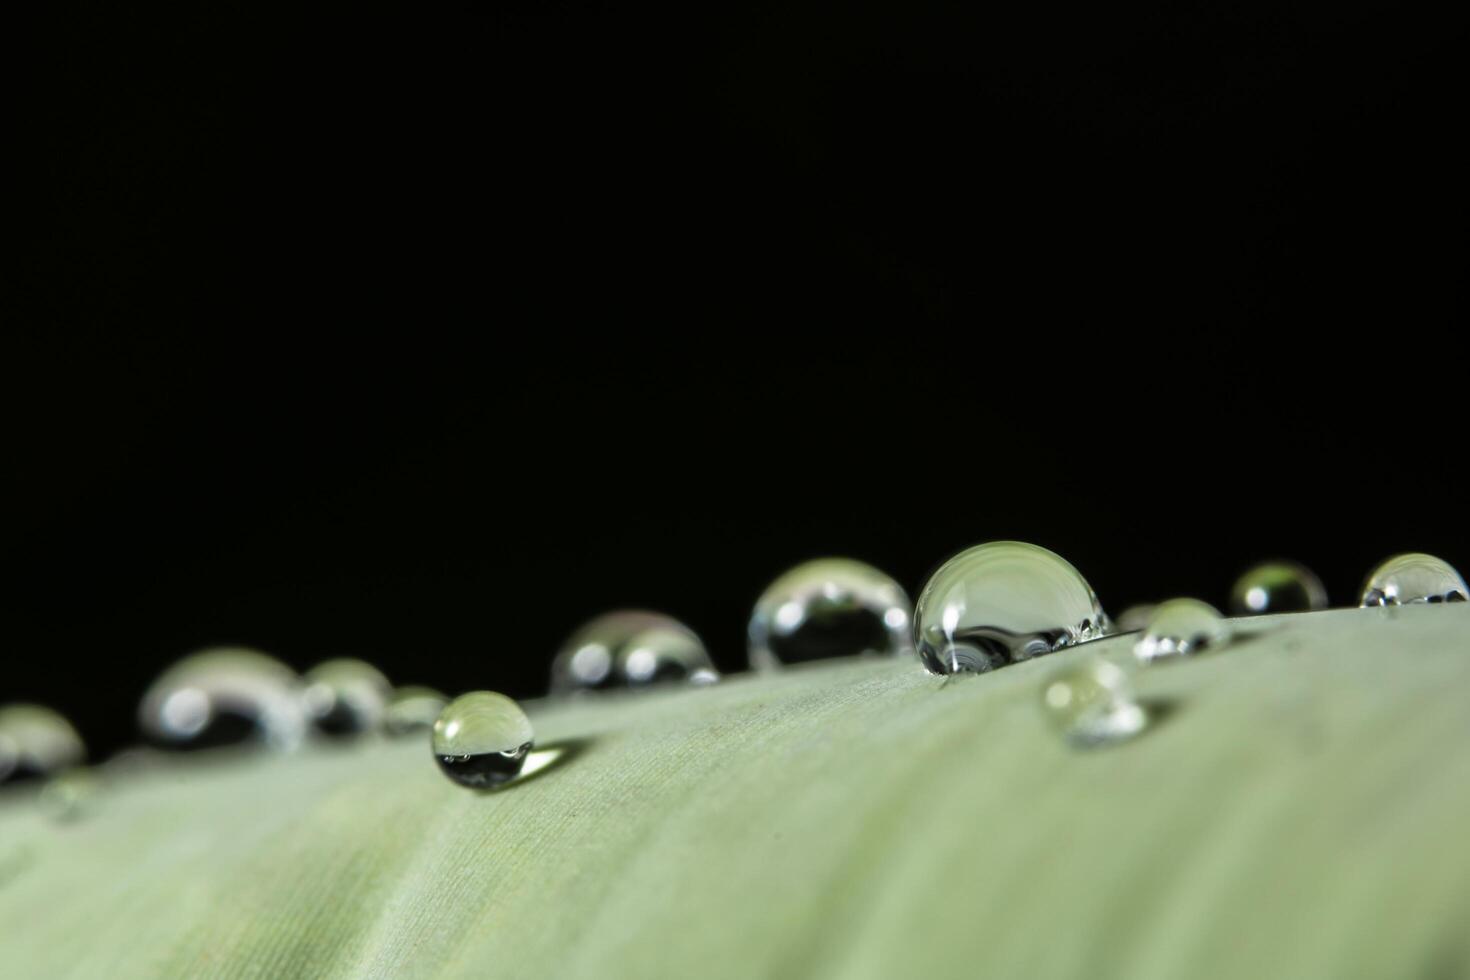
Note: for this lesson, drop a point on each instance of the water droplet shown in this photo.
(1091, 703)
(225, 695)
(659, 655)
(413, 709)
(1413, 578)
(481, 739)
(1277, 587)
(1181, 627)
(347, 697)
(630, 648)
(71, 795)
(1135, 618)
(831, 607)
(36, 742)
(1001, 602)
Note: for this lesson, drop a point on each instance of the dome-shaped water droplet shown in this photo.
(1413, 578)
(630, 648)
(1091, 703)
(36, 742)
(1277, 587)
(657, 655)
(346, 696)
(413, 709)
(830, 607)
(225, 695)
(1001, 602)
(1181, 627)
(482, 739)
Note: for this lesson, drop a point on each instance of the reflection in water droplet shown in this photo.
(413, 709)
(481, 739)
(658, 655)
(1134, 618)
(1277, 587)
(1001, 602)
(630, 648)
(1181, 627)
(831, 607)
(70, 795)
(1091, 703)
(347, 697)
(36, 742)
(1413, 578)
(225, 695)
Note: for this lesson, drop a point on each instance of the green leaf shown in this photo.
(1299, 811)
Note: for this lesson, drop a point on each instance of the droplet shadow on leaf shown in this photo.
(541, 761)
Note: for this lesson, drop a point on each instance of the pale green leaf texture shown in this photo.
(1300, 812)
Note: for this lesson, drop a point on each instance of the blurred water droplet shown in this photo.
(413, 709)
(1277, 587)
(1091, 703)
(225, 695)
(481, 739)
(36, 742)
(1181, 627)
(1413, 578)
(659, 655)
(346, 696)
(831, 607)
(71, 795)
(1134, 618)
(1001, 602)
(630, 648)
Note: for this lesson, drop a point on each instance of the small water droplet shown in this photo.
(413, 709)
(70, 795)
(831, 607)
(1413, 578)
(481, 739)
(1181, 627)
(630, 648)
(1001, 602)
(1091, 703)
(36, 742)
(347, 696)
(1277, 587)
(225, 695)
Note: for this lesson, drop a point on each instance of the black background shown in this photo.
(422, 336)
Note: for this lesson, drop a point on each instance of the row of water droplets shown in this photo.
(1092, 702)
(989, 606)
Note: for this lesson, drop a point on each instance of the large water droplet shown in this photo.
(830, 607)
(1277, 587)
(630, 648)
(1181, 627)
(1001, 602)
(1091, 703)
(36, 742)
(347, 697)
(413, 709)
(1413, 578)
(481, 739)
(225, 695)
